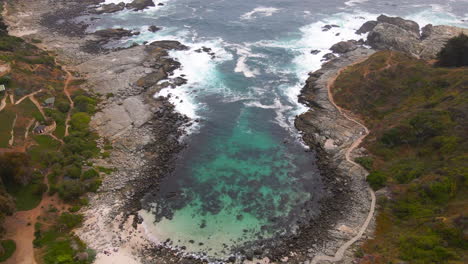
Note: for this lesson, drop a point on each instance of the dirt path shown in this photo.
(340, 252)
(3, 103)
(67, 93)
(12, 138)
(26, 96)
(21, 228)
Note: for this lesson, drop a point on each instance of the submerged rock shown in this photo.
(153, 28)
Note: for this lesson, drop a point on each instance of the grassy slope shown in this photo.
(417, 115)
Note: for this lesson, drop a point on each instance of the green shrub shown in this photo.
(9, 247)
(441, 191)
(406, 170)
(73, 171)
(377, 179)
(63, 106)
(80, 121)
(90, 174)
(85, 104)
(70, 190)
(454, 53)
(70, 221)
(365, 162)
(426, 248)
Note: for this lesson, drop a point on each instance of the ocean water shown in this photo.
(245, 175)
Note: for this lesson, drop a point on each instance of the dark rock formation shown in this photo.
(110, 8)
(115, 33)
(407, 25)
(403, 35)
(138, 5)
(153, 28)
(344, 46)
(169, 45)
(367, 27)
(328, 56)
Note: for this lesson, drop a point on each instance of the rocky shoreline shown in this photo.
(145, 131)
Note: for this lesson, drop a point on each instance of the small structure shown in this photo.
(2, 87)
(40, 129)
(49, 102)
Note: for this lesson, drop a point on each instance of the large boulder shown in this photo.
(344, 46)
(407, 25)
(138, 5)
(386, 36)
(110, 8)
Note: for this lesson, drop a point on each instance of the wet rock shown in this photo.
(179, 81)
(314, 52)
(328, 56)
(367, 27)
(328, 27)
(115, 33)
(110, 8)
(138, 5)
(169, 45)
(153, 28)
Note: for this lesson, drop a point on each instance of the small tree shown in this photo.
(454, 53)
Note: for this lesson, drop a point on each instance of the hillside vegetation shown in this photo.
(34, 164)
(418, 146)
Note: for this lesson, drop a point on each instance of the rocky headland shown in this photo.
(331, 132)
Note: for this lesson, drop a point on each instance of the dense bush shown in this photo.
(377, 179)
(454, 53)
(70, 221)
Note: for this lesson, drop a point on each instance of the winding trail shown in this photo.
(3, 103)
(340, 252)
(67, 93)
(26, 96)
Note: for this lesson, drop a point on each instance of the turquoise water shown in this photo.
(244, 176)
(242, 185)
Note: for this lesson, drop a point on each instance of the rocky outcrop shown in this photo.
(110, 8)
(407, 25)
(344, 46)
(115, 33)
(138, 5)
(403, 35)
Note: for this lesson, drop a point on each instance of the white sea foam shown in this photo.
(437, 15)
(260, 11)
(355, 2)
(241, 65)
(200, 69)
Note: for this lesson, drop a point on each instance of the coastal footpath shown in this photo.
(333, 131)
